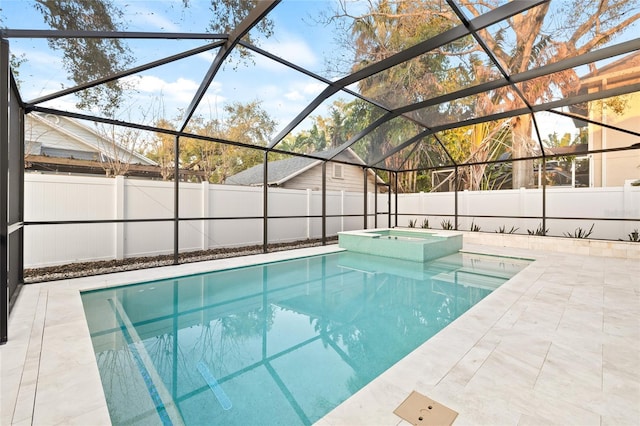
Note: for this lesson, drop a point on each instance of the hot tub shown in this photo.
(416, 245)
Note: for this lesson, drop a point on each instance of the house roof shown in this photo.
(86, 141)
(625, 68)
(280, 171)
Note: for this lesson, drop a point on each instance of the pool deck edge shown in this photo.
(562, 335)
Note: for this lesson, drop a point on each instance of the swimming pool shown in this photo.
(280, 343)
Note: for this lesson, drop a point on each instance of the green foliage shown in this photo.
(503, 230)
(446, 224)
(89, 59)
(246, 123)
(425, 224)
(525, 42)
(412, 223)
(15, 61)
(634, 236)
(474, 227)
(539, 231)
(580, 233)
(227, 14)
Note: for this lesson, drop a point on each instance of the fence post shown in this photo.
(455, 201)
(308, 190)
(466, 202)
(366, 199)
(176, 200)
(395, 193)
(629, 210)
(324, 203)
(205, 213)
(342, 210)
(544, 196)
(522, 211)
(265, 203)
(120, 213)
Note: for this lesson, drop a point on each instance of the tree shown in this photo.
(161, 149)
(528, 40)
(246, 123)
(88, 59)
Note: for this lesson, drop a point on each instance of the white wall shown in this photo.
(613, 202)
(59, 198)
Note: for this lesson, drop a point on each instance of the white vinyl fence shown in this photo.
(70, 198)
(610, 203)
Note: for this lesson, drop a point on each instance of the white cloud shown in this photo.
(292, 49)
(66, 104)
(301, 92)
(181, 90)
(294, 95)
(208, 56)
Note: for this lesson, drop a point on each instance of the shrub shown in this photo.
(580, 233)
(540, 231)
(446, 224)
(503, 230)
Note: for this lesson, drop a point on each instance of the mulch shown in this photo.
(85, 269)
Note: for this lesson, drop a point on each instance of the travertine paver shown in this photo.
(557, 344)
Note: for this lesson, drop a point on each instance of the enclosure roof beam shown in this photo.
(596, 123)
(55, 34)
(310, 74)
(138, 126)
(400, 147)
(370, 128)
(171, 132)
(549, 107)
(405, 144)
(261, 10)
(126, 73)
(597, 55)
(494, 16)
(587, 97)
(483, 21)
(533, 157)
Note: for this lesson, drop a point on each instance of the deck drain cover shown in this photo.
(417, 409)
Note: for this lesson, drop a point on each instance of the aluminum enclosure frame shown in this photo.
(12, 109)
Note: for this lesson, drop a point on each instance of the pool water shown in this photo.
(409, 235)
(280, 343)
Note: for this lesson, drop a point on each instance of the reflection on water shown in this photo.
(282, 343)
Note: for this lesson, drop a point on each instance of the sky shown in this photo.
(165, 91)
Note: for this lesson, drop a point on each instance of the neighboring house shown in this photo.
(614, 168)
(62, 144)
(306, 173)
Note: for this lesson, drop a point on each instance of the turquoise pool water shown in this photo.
(407, 235)
(281, 343)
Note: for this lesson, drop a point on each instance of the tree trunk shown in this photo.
(522, 146)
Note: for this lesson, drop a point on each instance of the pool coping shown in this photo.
(49, 374)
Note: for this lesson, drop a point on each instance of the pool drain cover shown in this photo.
(417, 409)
